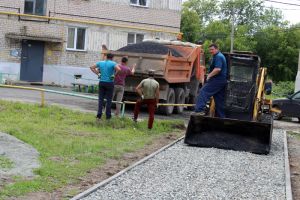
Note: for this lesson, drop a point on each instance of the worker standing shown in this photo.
(120, 82)
(106, 69)
(148, 90)
(215, 85)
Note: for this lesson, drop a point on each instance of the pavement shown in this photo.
(71, 102)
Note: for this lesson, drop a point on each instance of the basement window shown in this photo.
(76, 39)
(134, 38)
(35, 7)
(142, 3)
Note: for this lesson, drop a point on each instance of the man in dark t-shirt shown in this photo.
(215, 85)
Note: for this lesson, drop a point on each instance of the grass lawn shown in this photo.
(5, 163)
(71, 143)
(294, 134)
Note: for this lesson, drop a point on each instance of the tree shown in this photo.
(190, 25)
(278, 49)
(206, 9)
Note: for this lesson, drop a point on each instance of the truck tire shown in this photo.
(179, 99)
(168, 110)
(194, 89)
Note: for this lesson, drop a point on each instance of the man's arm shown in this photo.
(117, 68)
(138, 89)
(157, 94)
(214, 72)
(133, 69)
(94, 69)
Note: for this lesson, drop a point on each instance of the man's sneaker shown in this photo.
(98, 120)
(134, 120)
(202, 113)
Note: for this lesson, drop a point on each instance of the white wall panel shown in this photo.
(175, 4)
(95, 40)
(117, 40)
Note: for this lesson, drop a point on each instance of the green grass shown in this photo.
(5, 163)
(71, 143)
(294, 134)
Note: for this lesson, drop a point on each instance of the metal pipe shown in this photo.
(86, 22)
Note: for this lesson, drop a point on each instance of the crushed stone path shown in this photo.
(184, 172)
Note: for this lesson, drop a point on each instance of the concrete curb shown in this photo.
(288, 185)
(95, 187)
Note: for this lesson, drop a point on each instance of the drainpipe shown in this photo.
(297, 82)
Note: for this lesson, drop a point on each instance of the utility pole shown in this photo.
(297, 82)
(232, 31)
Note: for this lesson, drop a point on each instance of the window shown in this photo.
(296, 96)
(35, 7)
(76, 38)
(134, 38)
(139, 2)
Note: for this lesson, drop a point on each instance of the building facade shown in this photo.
(50, 41)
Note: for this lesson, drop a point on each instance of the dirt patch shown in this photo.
(294, 155)
(97, 175)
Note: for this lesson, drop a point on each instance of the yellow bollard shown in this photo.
(42, 98)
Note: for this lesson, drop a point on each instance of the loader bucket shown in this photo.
(231, 134)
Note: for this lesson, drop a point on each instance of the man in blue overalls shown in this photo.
(215, 85)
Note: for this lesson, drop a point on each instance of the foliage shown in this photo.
(5, 163)
(71, 143)
(279, 52)
(282, 89)
(256, 28)
(190, 25)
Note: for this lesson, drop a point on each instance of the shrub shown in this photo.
(283, 88)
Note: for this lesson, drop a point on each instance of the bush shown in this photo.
(283, 88)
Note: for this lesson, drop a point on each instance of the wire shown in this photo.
(280, 2)
(283, 8)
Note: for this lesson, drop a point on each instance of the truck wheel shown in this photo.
(190, 100)
(168, 110)
(179, 99)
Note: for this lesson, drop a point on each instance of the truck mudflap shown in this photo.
(239, 135)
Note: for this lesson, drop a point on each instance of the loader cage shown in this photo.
(241, 87)
(238, 131)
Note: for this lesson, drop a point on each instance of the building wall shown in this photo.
(161, 19)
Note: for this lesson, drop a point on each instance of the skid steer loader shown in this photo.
(248, 124)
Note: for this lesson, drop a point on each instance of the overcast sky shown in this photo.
(290, 12)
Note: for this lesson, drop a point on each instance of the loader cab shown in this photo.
(241, 88)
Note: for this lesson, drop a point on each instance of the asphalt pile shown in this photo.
(151, 48)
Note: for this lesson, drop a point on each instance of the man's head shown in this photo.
(213, 49)
(124, 60)
(109, 56)
(151, 73)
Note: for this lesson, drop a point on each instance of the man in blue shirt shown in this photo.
(215, 85)
(106, 69)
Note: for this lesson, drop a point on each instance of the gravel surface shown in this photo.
(23, 156)
(183, 172)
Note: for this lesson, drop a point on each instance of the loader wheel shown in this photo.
(168, 110)
(276, 116)
(266, 118)
(179, 99)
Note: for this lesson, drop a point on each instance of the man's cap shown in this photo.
(151, 71)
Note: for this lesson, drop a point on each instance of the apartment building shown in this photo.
(50, 41)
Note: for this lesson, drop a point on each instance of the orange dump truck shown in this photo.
(179, 68)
